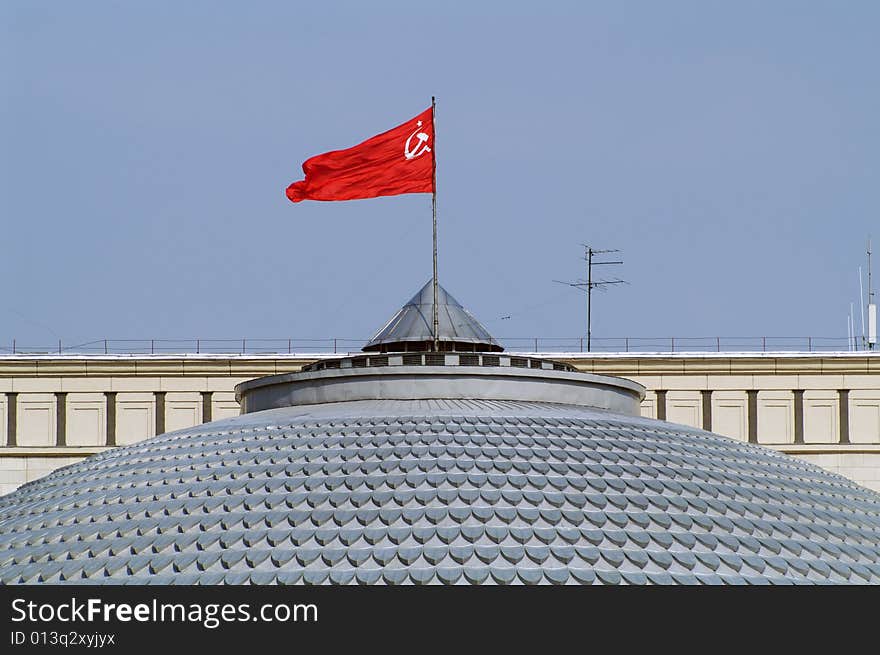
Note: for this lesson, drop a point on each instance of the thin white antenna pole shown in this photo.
(849, 328)
(862, 303)
(872, 308)
(852, 326)
(870, 287)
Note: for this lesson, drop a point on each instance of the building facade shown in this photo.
(822, 407)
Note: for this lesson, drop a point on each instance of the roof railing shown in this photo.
(305, 346)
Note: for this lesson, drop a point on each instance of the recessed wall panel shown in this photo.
(684, 407)
(775, 417)
(864, 422)
(84, 426)
(182, 410)
(135, 417)
(85, 420)
(821, 413)
(225, 409)
(36, 420)
(729, 414)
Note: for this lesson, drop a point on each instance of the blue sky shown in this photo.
(730, 150)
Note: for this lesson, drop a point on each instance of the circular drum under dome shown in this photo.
(386, 476)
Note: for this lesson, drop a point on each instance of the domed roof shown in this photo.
(440, 467)
(452, 491)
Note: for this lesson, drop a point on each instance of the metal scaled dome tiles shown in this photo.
(440, 492)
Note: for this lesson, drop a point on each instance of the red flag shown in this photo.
(400, 160)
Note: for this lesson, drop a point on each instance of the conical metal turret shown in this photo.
(410, 329)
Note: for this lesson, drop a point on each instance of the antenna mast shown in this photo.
(870, 288)
(589, 285)
(872, 307)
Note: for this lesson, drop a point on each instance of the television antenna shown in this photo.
(589, 284)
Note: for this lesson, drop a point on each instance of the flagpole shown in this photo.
(434, 212)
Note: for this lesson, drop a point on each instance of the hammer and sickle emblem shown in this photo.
(412, 150)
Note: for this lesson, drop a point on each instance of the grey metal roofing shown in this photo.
(440, 491)
(414, 322)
